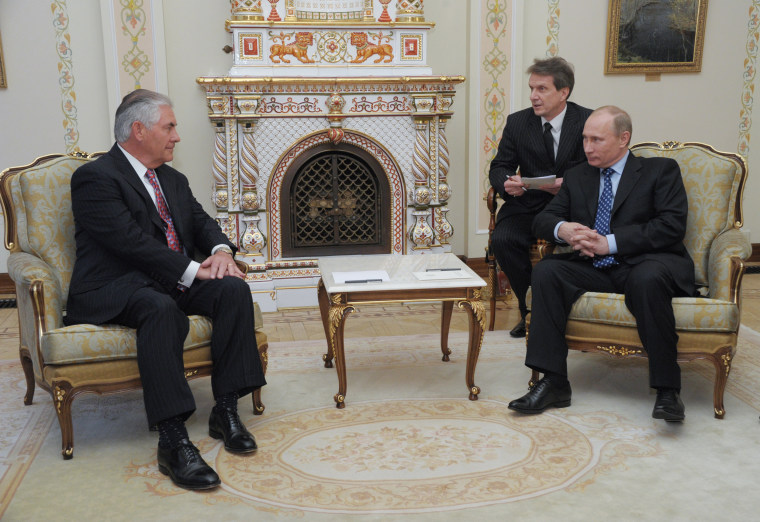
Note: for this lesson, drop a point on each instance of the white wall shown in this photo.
(685, 107)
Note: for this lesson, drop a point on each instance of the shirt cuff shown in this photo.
(190, 272)
(556, 231)
(217, 247)
(612, 243)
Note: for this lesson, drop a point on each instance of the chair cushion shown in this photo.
(81, 343)
(85, 343)
(694, 314)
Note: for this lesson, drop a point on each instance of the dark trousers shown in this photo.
(511, 242)
(648, 288)
(162, 325)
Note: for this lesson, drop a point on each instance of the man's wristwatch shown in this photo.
(225, 249)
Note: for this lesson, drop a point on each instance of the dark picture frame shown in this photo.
(655, 36)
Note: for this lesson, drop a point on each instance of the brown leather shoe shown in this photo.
(225, 424)
(519, 329)
(186, 467)
(542, 395)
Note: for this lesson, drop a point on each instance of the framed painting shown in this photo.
(655, 36)
(3, 80)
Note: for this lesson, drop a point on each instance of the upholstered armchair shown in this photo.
(708, 325)
(70, 360)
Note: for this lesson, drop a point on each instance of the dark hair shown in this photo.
(559, 69)
(141, 105)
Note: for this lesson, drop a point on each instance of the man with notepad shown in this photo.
(538, 144)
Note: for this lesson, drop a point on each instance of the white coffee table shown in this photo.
(456, 283)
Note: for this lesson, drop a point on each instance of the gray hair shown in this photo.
(141, 105)
(561, 71)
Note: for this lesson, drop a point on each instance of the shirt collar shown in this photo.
(557, 120)
(620, 164)
(140, 169)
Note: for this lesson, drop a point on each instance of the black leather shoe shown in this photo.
(225, 424)
(186, 467)
(542, 395)
(519, 329)
(668, 406)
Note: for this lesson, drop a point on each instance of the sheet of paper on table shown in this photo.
(540, 181)
(365, 276)
(434, 275)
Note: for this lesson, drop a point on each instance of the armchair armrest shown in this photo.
(24, 269)
(725, 267)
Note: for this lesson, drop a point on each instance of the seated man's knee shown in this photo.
(649, 278)
(544, 270)
(234, 287)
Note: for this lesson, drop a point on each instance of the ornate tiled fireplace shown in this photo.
(330, 139)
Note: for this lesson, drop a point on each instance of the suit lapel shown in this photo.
(567, 135)
(536, 134)
(590, 188)
(631, 175)
(129, 175)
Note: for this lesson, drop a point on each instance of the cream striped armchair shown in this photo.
(707, 326)
(70, 360)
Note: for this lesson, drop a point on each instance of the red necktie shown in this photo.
(171, 234)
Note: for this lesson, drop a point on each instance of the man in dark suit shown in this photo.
(625, 218)
(138, 230)
(542, 140)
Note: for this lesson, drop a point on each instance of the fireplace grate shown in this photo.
(334, 203)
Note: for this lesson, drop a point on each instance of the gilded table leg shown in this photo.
(445, 325)
(324, 307)
(337, 315)
(477, 325)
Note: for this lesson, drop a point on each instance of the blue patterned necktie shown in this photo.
(602, 223)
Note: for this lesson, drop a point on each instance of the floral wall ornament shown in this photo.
(66, 74)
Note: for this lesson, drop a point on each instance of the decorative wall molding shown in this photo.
(552, 25)
(495, 86)
(65, 74)
(135, 51)
(745, 114)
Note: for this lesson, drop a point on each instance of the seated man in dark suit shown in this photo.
(542, 140)
(138, 229)
(625, 218)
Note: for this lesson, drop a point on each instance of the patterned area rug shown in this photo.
(408, 444)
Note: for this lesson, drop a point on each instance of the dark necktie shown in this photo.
(602, 223)
(172, 238)
(549, 141)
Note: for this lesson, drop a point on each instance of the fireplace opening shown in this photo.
(337, 203)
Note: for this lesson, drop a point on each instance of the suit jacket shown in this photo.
(120, 240)
(522, 145)
(648, 214)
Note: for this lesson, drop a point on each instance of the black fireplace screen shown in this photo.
(336, 207)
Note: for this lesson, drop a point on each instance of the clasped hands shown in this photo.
(515, 187)
(219, 265)
(583, 239)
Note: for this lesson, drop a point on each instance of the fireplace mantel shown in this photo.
(267, 113)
